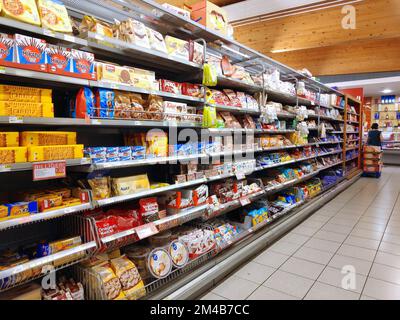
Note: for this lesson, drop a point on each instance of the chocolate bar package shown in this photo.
(6, 49)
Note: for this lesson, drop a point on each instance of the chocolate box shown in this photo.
(83, 64)
(30, 53)
(6, 49)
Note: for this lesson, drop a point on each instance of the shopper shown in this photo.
(375, 136)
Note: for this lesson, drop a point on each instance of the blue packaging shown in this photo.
(138, 152)
(105, 103)
(125, 152)
(31, 52)
(113, 159)
(99, 160)
(112, 152)
(6, 49)
(43, 249)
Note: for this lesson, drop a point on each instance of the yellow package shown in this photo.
(9, 139)
(25, 94)
(129, 277)
(157, 144)
(129, 185)
(26, 109)
(177, 47)
(54, 15)
(13, 155)
(49, 201)
(22, 10)
(93, 25)
(109, 72)
(143, 78)
(111, 284)
(47, 153)
(47, 138)
(65, 244)
(3, 211)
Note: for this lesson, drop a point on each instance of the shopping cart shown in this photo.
(372, 161)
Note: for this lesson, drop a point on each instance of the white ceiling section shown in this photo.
(372, 87)
(250, 8)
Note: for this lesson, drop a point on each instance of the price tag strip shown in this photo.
(146, 230)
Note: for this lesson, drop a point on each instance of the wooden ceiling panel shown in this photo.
(376, 19)
(180, 3)
(360, 57)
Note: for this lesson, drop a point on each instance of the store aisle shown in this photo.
(357, 231)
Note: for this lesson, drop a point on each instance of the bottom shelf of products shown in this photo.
(142, 268)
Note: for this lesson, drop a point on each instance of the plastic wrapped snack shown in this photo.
(159, 263)
(129, 277)
(23, 10)
(156, 40)
(111, 283)
(177, 48)
(179, 253)
(155, 107)
(54, 15)
(133, 31)
(122, 105)
(105, 103)
(100, 185)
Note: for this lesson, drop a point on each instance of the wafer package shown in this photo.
(30, 53)
(54, 15)
(22, 10)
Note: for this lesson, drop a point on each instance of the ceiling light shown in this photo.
(387, 91)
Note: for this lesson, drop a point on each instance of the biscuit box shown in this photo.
(9, 139)
(13, 155)
(30, 53)
(20, 209)
(26, 109)
(6, 50)
(25, 94)
(48, 153)
(47, 138)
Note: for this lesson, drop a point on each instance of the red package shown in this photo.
(227, 68)
(220, 98)
(192, 90)
(148, 209)
(234, 100)
(126, 218)
(170, 86)
(106, 225)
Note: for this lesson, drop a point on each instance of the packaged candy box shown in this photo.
(30, 53)
(6, 49)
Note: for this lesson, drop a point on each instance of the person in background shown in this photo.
(375, 137)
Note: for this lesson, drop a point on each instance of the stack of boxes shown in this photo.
(372, 162)
(32, 146)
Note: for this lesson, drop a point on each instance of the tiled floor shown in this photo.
(349, 249)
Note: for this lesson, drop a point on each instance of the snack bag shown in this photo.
(129, 277)
(22, 10)
(111, 283)
(54, 15)
(156, 40)
(100, 185)
(84, 105)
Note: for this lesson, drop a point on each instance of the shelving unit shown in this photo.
(325, 155)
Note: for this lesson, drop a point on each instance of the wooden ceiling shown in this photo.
(180, 3)
(317, 41)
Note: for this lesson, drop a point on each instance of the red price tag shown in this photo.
(49, 170)
(146, 230)
(244, 201)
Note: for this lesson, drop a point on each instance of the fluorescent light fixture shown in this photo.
(387, 91)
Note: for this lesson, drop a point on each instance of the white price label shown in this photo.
(49, 33)
(2, 70)
(99, 37)
(96, 121)
(244, 201)
(85, 161)
(146, 230)
(15, 120)
(240, 175)
(5, 167)
(69, 210)
(69, 38)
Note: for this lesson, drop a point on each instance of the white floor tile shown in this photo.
(335, 277)
(289, 283)
(313, 255)
(391, 238)
(303, 268)
(295, 238)
(388, 259)
(305, 231)
(389, 248)
(362, 242)
(323, 245)
(229, 289)
(271, 259)
(381, 290)
(264, 293)
(357, 252)
(385, 273)
(322, 291)
(330, 236)
(212, 296)
(360, 266)
(371, 226)
(255, 272)
(337, 228)
(368, 234)
(284, 247)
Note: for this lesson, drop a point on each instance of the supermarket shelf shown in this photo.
(162, 224)
(352, 148)
(192, 285)
(234, 110)
(351, 159)
(171, 96)
(60, 37)
(11, 120)
(230, 83)
(275, 131)
(10, 274)
(133, 54)
(7, 72)
(26, 166)
(38, 217)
